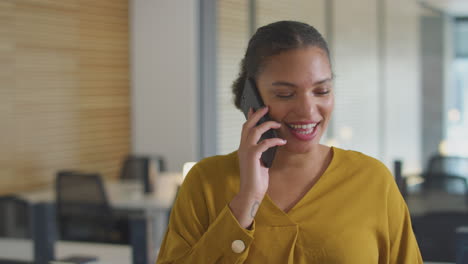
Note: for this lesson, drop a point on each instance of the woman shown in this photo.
(315, 204)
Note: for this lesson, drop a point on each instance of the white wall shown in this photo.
(164, 79)
(402, 77)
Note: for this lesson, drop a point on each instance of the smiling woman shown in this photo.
(299, 96)
(315, 204)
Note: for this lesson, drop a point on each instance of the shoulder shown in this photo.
(357, 163)
(371, 176)
(358, 160)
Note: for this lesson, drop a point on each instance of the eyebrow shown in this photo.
(288, 84)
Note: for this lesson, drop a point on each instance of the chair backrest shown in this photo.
(445, 192)
(80, 193)
(446, 183)
(84, 212)
(15, 216)
(457, 166)
(136, 167)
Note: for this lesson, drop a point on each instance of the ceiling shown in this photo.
(452, 7)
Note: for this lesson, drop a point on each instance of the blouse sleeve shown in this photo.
(403, 245)
(192, 237)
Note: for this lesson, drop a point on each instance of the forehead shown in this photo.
(304, 66)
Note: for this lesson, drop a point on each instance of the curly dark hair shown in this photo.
(270, 40)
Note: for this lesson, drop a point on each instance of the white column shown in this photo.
(164, 79)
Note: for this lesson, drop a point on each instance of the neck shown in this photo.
(285, 160)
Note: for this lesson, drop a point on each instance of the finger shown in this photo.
(269, 143)
(252, 120)
(257, 132)
(250, 112)
(255, 117)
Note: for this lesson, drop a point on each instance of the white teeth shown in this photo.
(308, 126)
(305, 129)
(305, 132)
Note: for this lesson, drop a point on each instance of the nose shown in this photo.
(307, 105)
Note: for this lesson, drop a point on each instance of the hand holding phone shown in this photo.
(256, 154)
(251, 99)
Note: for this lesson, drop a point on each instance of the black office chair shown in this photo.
(448, 183)
(135, 167)
(15, 214)
(436, 234)
(445, 192)
(436, 229)
(144, 169)
(83, 210)
(452, 165)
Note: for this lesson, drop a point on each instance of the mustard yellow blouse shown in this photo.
(353, 214)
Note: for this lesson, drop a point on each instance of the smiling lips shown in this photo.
(303, 131)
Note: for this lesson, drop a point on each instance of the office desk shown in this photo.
(129, 195)
(419, 203)
(22, 250)
(126, 194)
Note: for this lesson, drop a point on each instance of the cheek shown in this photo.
(329, 104)
(277, 112)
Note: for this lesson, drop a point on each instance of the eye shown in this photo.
(322, 91)
(284, 95)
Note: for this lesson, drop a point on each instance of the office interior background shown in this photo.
(85, 83)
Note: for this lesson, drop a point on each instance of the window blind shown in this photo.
(356, 68)
(233, 34)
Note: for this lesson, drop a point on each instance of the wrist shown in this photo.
(244, 208)
(250, 196)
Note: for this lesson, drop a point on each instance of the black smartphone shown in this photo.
(251, 99)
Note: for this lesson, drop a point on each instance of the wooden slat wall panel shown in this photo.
(64, 89)
(7, 82)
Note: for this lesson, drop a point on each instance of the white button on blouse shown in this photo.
(238, 246)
